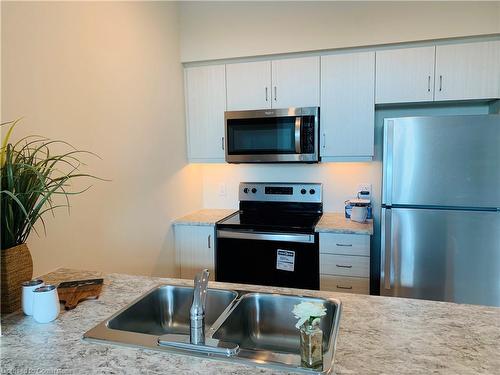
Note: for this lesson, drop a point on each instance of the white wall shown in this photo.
(216, 30)
(105, 77)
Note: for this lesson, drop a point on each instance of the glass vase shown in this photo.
(311, 346)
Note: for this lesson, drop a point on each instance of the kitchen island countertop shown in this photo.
(377, 335)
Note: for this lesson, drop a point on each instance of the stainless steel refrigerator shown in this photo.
(440, 222)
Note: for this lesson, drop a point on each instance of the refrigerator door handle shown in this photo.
(387, 172)
(387, 246)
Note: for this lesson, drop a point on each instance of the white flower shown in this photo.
(307, 310)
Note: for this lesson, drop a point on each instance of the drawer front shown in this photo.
(346, 244)
(344, 265)
(359, 285)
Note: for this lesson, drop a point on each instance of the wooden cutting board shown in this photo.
(73, 292)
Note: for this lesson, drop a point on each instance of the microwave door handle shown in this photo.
(298, 125)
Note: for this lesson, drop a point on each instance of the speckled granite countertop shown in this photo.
(330, 222)
(335, 222)
(206, 216)
(377, 335)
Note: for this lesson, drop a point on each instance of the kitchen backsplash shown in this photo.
(340, 180)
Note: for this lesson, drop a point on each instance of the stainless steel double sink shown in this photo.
(261, 324)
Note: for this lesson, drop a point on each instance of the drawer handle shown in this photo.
(343, 287)
(344, 244)
(343, 266)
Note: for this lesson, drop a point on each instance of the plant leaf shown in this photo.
(6, 139)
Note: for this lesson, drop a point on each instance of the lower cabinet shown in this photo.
(344, 265)
(345, 284)
(344, 258)
(194, 247)
(344, 262)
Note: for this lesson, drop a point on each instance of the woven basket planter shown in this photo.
(17, 267)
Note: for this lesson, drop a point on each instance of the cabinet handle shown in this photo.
(324, 140)
(208, 240)
(440, 83)
(343, 287)
(275, 93)
(429, 83)
(266, 93)
(343, 266)
(222, 143)
(344, 244)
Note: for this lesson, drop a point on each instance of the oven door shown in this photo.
(279, 135)
(267, 258)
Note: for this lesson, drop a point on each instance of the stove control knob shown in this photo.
(312, 191)
(254, 190)
(245, 190)
(303, 191)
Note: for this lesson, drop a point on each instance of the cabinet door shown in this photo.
(295, 82)
(405, 75)
(347, 105)
(468, 71)
(195, 249)
(205, 106)
(248, 85)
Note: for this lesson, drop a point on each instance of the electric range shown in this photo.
(271, 239)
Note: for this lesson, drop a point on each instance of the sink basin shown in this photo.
(240, 326)
(166, 310)
(265, 322)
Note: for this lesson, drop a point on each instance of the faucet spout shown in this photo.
(197, 312)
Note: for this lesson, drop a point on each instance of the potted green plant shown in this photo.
(31, 177)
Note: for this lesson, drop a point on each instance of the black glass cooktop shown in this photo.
(271, 222)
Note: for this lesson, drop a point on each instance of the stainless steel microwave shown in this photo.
(287, 135)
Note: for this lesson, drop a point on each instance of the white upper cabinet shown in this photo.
(445, 72)
(346, 86)
(405, 75)
(273, 84)
(468, 71)
(347, 105)
(205, 106)
(295, 82)
(248, 85)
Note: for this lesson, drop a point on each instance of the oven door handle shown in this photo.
(266, 236)
(298, 125)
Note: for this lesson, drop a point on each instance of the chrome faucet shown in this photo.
(197, 312)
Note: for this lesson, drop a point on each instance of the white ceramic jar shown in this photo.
(45, 304)
(28, 295)
(359, 213)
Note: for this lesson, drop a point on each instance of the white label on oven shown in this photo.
(285, 260)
